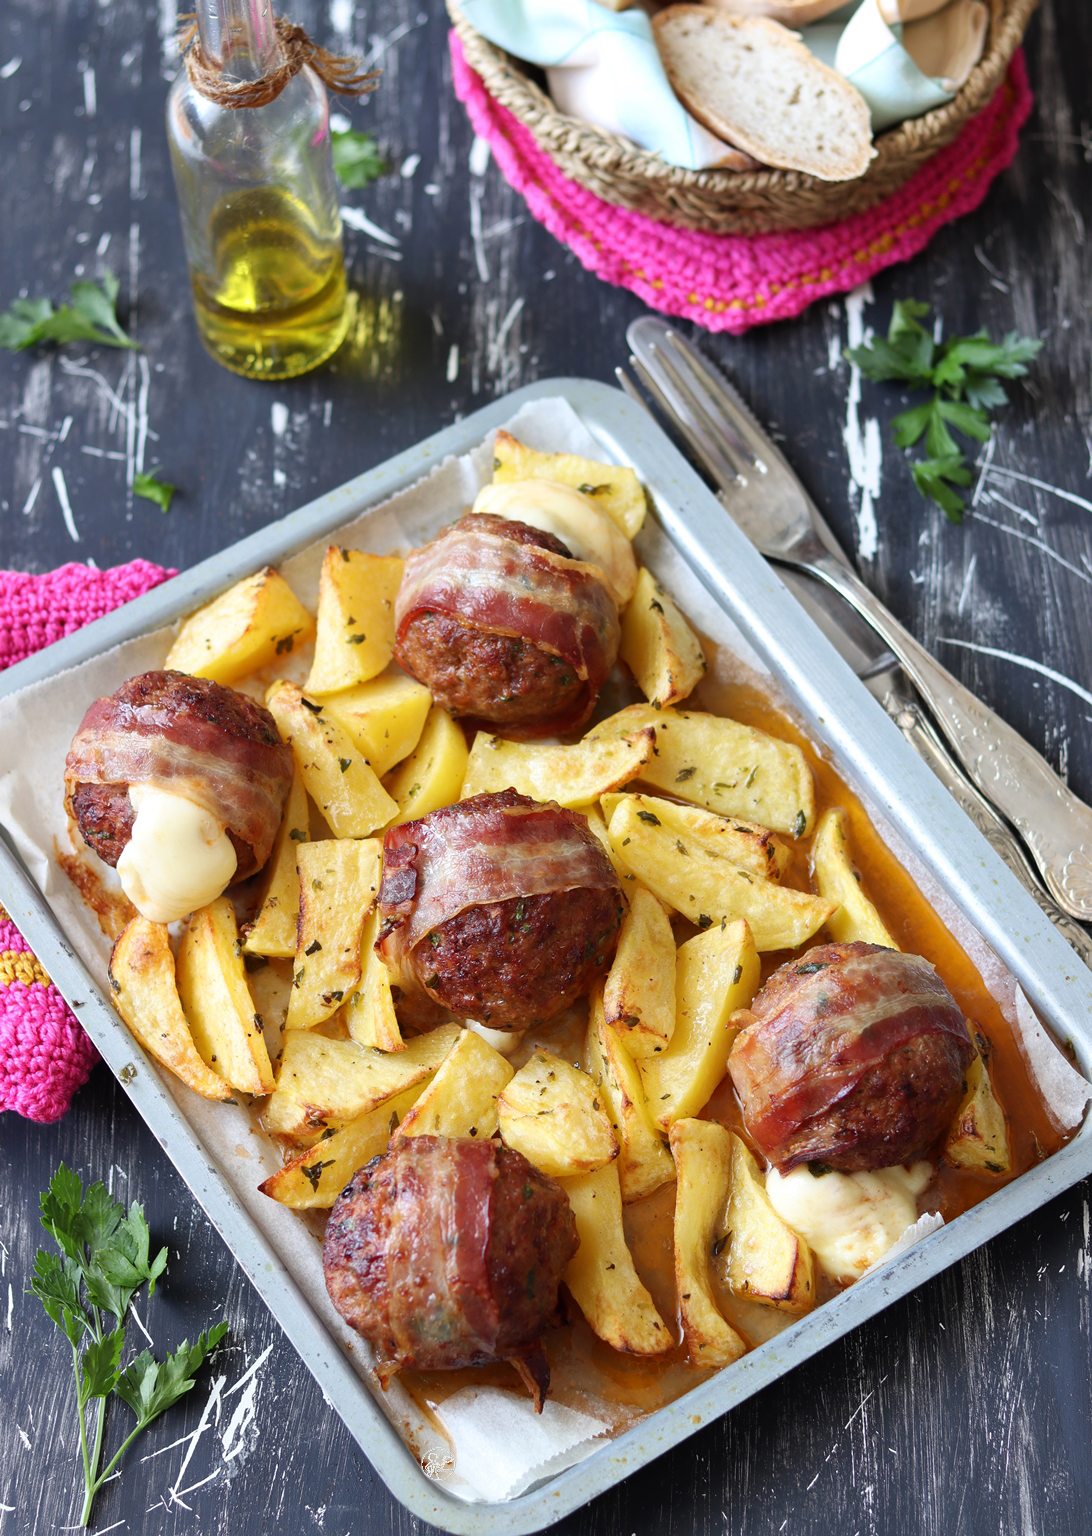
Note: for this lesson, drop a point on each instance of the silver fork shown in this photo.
(763, 496)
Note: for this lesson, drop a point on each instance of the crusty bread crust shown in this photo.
(790, 13)
(755, 85)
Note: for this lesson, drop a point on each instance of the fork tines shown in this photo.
(692, 394)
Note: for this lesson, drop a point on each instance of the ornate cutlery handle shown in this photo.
(1055, 825)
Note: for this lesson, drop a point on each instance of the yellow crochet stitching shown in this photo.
(21, 967)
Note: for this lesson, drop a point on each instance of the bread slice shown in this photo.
(754, 84)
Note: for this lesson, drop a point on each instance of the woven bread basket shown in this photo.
(736, 202)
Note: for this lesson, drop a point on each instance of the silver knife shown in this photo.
(767, 501)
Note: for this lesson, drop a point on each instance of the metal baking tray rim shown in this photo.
(840, 710)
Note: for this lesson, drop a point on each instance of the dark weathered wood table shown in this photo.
(968, 1407)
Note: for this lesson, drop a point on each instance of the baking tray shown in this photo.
(836, 708)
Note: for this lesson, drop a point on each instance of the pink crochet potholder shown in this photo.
(44, 1054)
(732, 282)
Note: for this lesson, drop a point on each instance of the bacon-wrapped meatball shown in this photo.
(502, 909)
(852, 1057)
(448, 1252)
(180, 784)
(505, 628)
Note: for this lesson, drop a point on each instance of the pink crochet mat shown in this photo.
(732, 282)
(44, 1054)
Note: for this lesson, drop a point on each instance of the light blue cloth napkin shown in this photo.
(613, 74)
(859, 44)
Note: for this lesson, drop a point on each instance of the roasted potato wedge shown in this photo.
(337, 778)
(224, 1023)
(601, 1276)
(711, 890)
(715, 973)
(855, 919)
(616, 488)
(384, 717)
(273, 931)
(639, 993)
(979, 1138)
(369, 1013)
(433, 773)
(658, 645)
(143, 981)
(317, 1175)
(553, 1113)
(245, 628)
(729, 768)
(767, 1261)
(339, 879)
(355, 622)
(597, 825)
(743, 844)
(462, 1099)
(325, 1083)
(573, 776)
(644, 1163)
(702, 1150)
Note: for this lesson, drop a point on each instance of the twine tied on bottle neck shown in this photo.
(337, 72)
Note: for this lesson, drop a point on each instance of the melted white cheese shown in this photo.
(179, 857)
(503, 1040)
(849, 1219)
(572, 517)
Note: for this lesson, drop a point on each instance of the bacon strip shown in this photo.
(238, 779)
(818, 1027)
(493, 583)
(486, 849)
(437, 1271)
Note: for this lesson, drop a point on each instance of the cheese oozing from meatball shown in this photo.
(506, 1041)
(849, 1219)
(178, 858)
(571, 516)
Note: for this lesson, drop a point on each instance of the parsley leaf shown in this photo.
(910, 425)
(105, 1257)
(150, 1386)
(934, 478)
(99, 1365)
(969, 419)
(964, 375)
(90, 317)
(160, 491)
(357, 158)
(123, 1267)
(59, 1209)
(56, 1283)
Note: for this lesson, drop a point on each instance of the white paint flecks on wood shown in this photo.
(1021, 661)
(61, 487)
(862, 443)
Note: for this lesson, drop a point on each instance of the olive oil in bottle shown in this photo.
(258, 199)
(274, 304)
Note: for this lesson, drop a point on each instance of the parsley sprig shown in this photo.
(104, 1259)
(964, 374)
(162, 492)
(357, 157)
(90, 317)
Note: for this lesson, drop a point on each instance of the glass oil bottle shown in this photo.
(259, 204)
